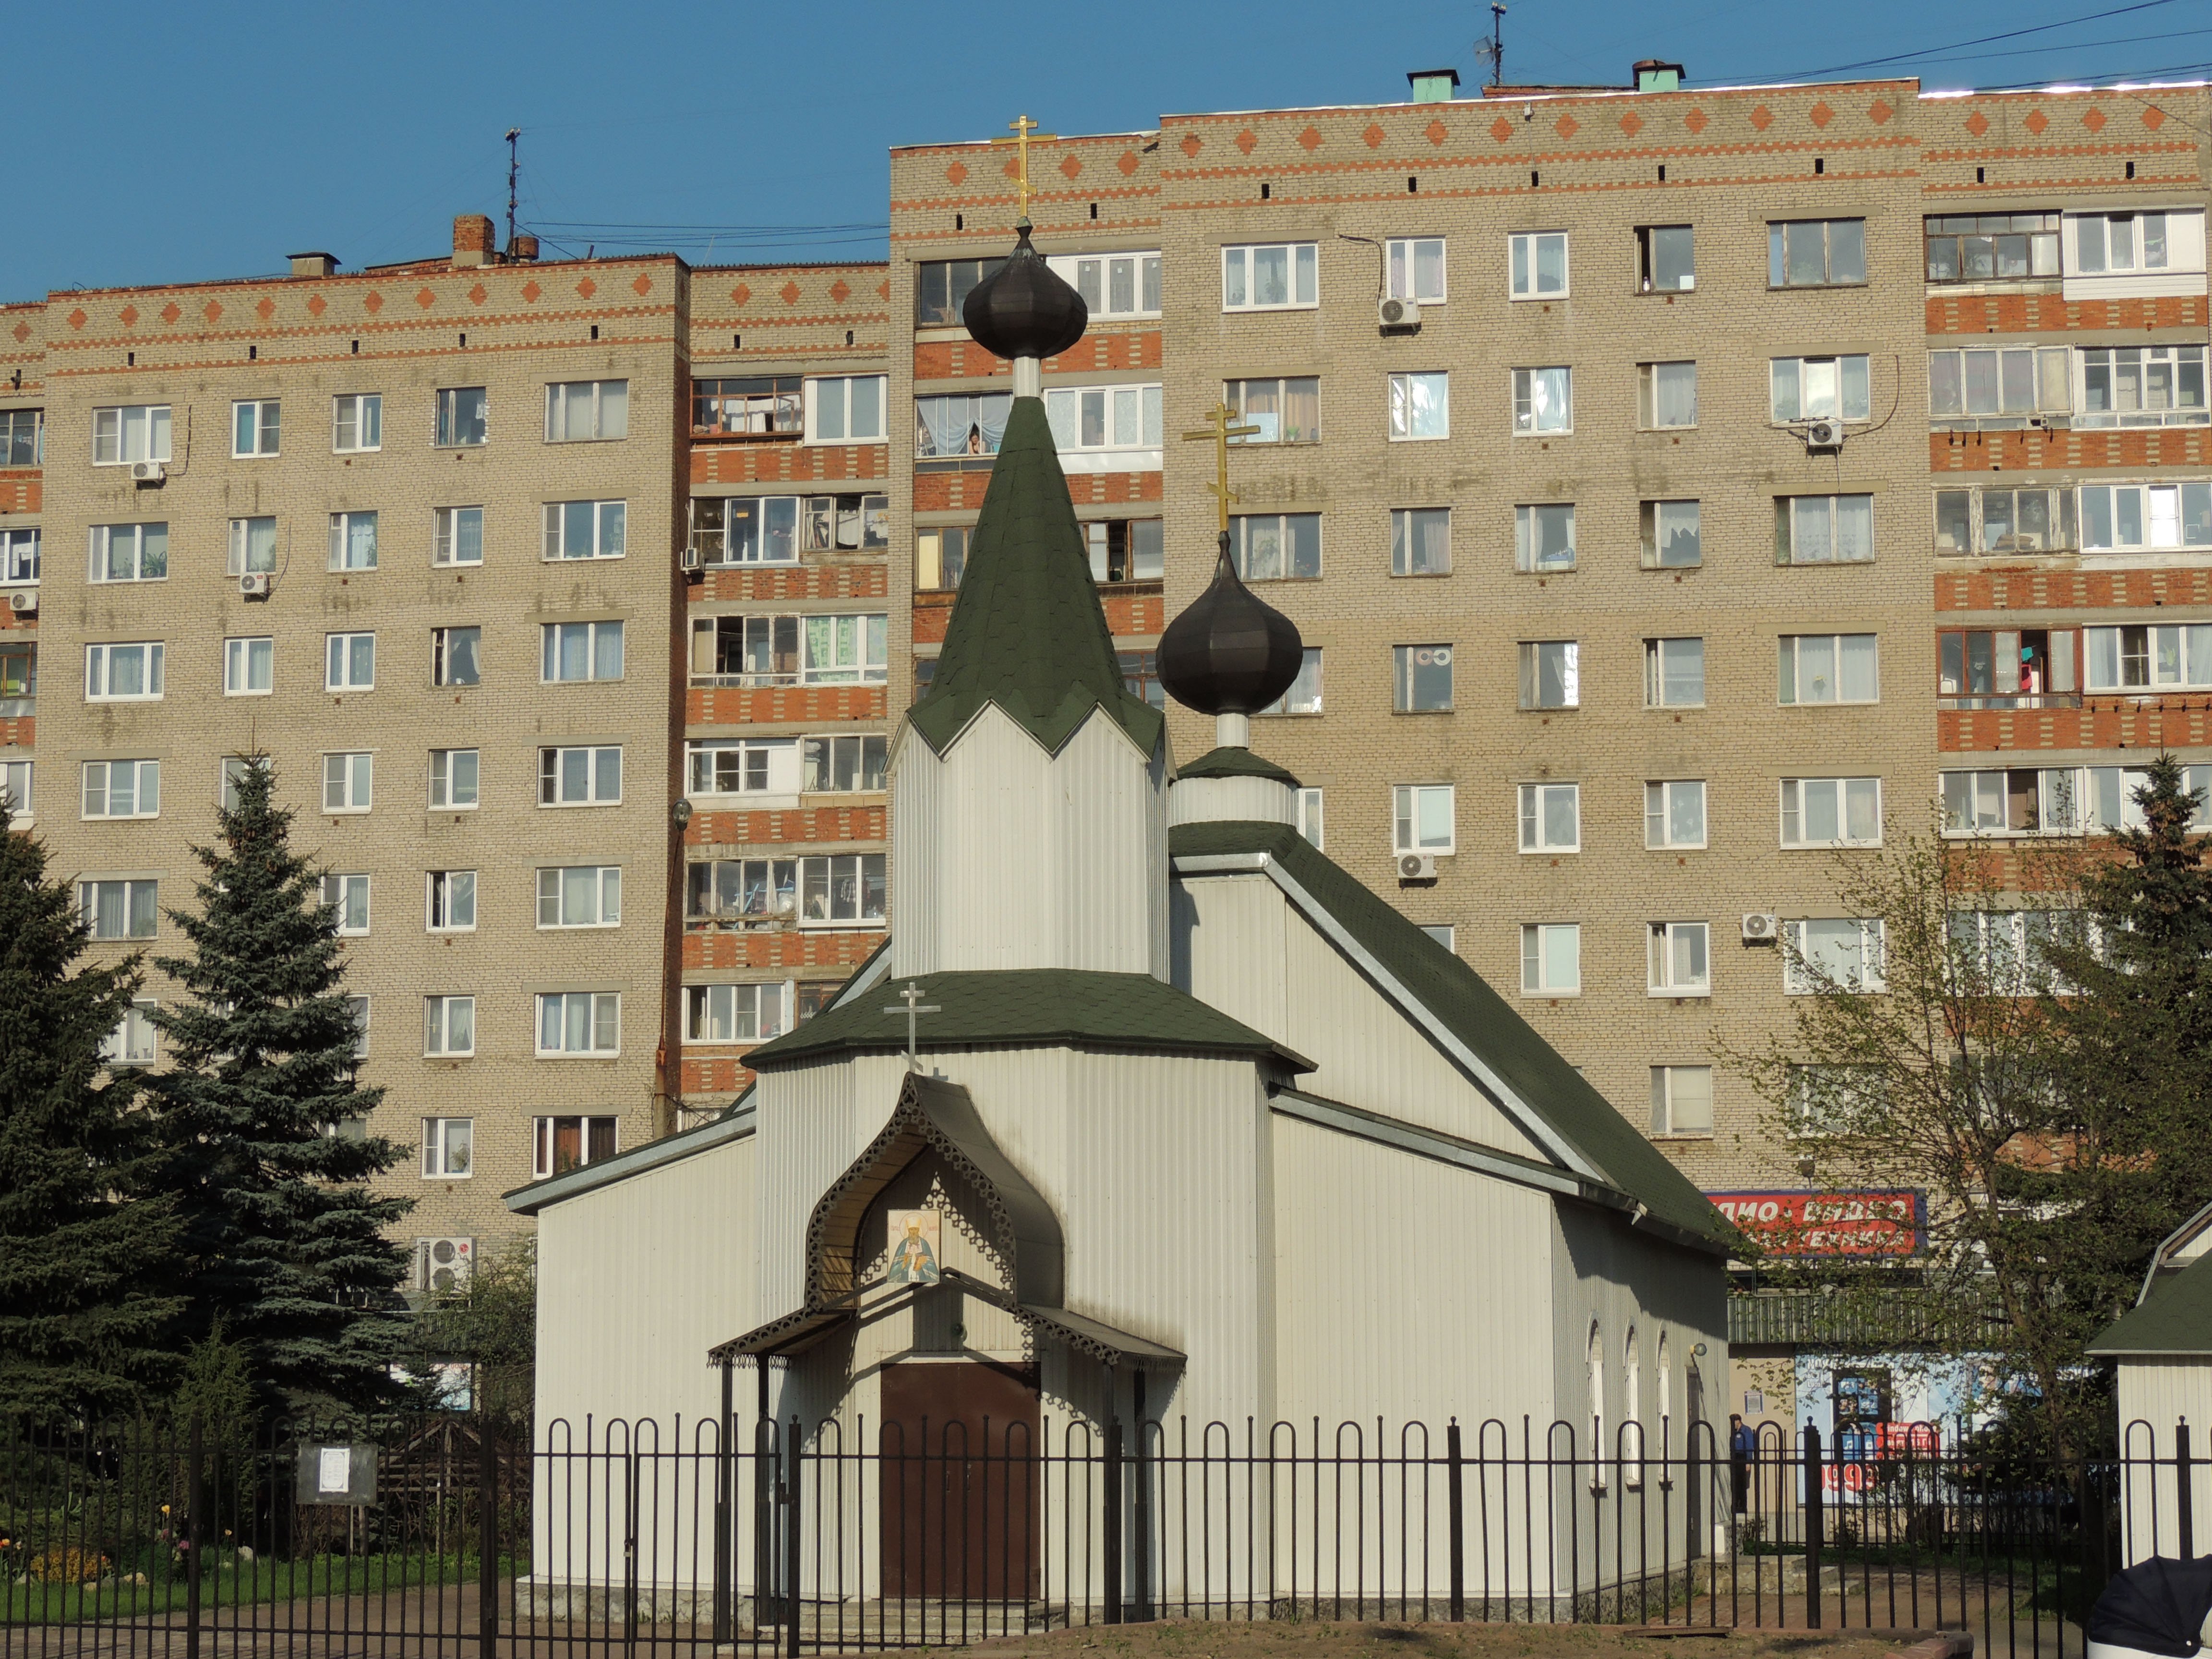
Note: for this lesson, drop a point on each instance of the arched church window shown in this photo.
(1596, 1408)
(1665, 1401)
(1631, 1412)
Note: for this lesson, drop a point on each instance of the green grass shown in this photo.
(226, 1583)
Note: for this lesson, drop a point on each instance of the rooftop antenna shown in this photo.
(514, 167)
(1492, 51)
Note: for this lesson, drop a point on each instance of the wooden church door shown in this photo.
(960, 1481)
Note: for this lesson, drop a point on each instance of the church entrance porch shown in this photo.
(959, 1480)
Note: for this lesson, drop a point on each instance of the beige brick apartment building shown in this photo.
(1686, 537)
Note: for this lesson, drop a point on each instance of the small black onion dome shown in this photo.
(1231, 652)
(1023, 309)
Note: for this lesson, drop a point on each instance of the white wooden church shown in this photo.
(1193, 1127)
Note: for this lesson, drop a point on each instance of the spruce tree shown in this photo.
(283, 1240)
(80, 1334)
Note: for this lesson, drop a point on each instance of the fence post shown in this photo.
(1112, 1536)
(1456, 1499)
(2185, 1521)
(793, 1465)
(486, 1531)
(195, 1500)
(1815, 1500)
(725, 1476)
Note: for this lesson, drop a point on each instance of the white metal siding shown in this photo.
(814, 1120)
(1243, 799)
(2154, 1396)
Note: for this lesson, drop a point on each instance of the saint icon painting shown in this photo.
(913, 1238)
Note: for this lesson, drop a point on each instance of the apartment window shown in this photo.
(232, 774)
(1824, 1099)
(460, 417)
(2131, 517)
(449, 1026)
(1666, 258)
(23, 437)
(1828, 668)
(136, 432)
(1544, 537)
(2140, 657)
(583, 776)
(579, 1022)
(1681, 1100)
(1420, 407)
(1670, 534)
(1551, 818)
(741, 889)
(349, 662)
(1111, 284)
(1311, 823)
(1304, 695)
(846, 889)
(454, 653)
(750, 406)
(1550, 674)
(1550, 958)
(1969, 247)
(1823, 529)
(19, 678)
(456, 535)
(1102, 417)
(1998, 381)
(580, 895)
(2143, 385)
(1674, 813)
(1666, 395)
(1276, 546)
(1543, 401)
(358, 1007)
(942, 287)
(1832, 811)
(745, 650)
(1818, 388)
(744, 766)
(15, 789)
(1126, 549)
(1674, 673)
(1995, 668)
(1443, 932)
(129, 552)
(847, 409)
(1277, 277)
(2109, 796)
(1815, 252)
(2108, 242)
(123, 789)
(838, 524)
(248, 666)
(358, 422)
(353, 541)
(1420, 541)
(348, 897)
(1679, 959)
(581, 411)
(955, 426)
(940, 558)
(1286, 411)
(134, 1042)
(1842, 951)
(255, 428)
(585, 529)
(746, 530)
(735, 1013)
(580, 651)
(1424, 818)
(118, 910)
(1140, 676)
(450, 901)
(2014, 521)
(569, 1143)
(1539, 262)
(2026, 800)
(1416, 268)
(445, 1147)
(842, 764)
(349, 782)
(453, 779)
(253, 546)
(123, 673)
(1422, 675)
(19, 556)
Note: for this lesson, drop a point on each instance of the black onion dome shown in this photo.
(1023, 309)
(1231, 652)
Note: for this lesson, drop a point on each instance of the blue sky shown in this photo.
(182, 142)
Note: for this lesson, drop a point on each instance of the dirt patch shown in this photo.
(1175, 1639)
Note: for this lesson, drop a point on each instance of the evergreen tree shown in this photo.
(283, 1237)
(80, 1334)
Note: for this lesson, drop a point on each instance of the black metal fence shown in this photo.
(437, 1535)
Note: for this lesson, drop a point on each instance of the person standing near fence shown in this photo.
(1743, 1442)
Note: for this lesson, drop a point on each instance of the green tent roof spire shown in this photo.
(1028, 632)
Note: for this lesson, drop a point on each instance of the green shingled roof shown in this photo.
(1235, 763)
(2175, 1318)
(1027, 632)
(1460, 1000)
(1033, 1007)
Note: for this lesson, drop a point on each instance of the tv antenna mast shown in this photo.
(514, 167)
(1492, 51)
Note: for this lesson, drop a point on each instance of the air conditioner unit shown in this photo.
(689, 558)
(25, 603)
(255, 583)
(1761, 930)
(1823, 434)
(1397, 313)
(1416, 866)
(148, 472)
(443, 1264)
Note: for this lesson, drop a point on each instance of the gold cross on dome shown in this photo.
(1220, 428)
(1023, 130)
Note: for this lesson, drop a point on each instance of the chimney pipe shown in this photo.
(472, 243)
(314, 265)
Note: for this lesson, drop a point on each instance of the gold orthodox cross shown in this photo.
(911, 1006)
(1023, 130)
(1219, 430)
